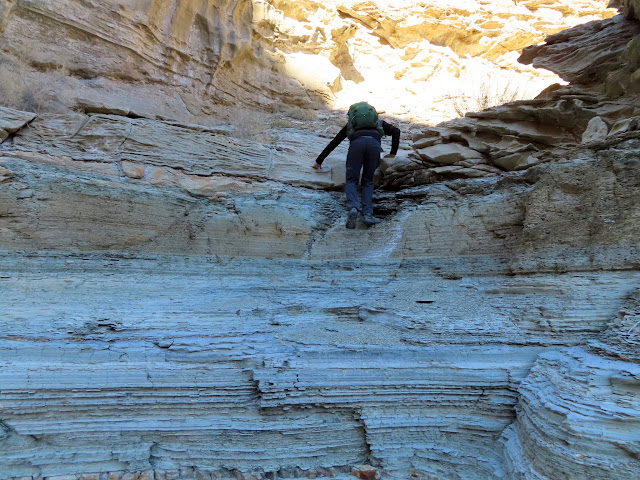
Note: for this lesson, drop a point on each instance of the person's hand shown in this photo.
(390, 155)
(317, 166)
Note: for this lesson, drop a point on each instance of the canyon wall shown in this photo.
(182, 300)
(202, 61)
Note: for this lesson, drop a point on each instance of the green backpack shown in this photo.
(362, 115)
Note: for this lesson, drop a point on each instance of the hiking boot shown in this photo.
(352, 218)
(369, 219)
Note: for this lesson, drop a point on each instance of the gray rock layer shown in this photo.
(444, 349)
(260, 366)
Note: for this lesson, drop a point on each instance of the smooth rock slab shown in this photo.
(447, 153)
(144, 147)
(163, 144)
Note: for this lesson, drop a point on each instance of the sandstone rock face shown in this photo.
(182, 301)
(600, 103)
(191, 60)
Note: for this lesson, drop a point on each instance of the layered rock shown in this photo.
(581, 400)
(411, 355)
(190, 60)
(183, 301)
(206, 192)
(577, 411)
(224, 366)
(600, 103)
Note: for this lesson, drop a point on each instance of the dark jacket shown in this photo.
(389, 129)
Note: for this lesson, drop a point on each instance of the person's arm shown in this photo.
(394, 132)
(340, 136)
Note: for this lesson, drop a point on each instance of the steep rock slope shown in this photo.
(181, 303)
(573, 395)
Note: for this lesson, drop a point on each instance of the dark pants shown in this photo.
(364, 154)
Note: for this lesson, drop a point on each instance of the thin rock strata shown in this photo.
(224, 366)
(576, 413)
(183, 303)
(586, 397)
(412, 355)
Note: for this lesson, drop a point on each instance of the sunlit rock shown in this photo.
(188, 59)
(181, 299)
(596, 129)
(447, 153)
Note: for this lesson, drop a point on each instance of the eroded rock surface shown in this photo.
(190, 60)
(271, 366)
(600, 103)
(183, 301)
(410, 355)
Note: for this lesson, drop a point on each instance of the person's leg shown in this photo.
(354, 165)
(371, 160)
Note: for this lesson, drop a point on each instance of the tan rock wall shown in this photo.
(139, 41)
(189, 60)
(631, 8)
(168, 188)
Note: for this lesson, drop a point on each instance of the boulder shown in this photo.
(597, 129)
(13, 120)
(516, 161)
(447, 153)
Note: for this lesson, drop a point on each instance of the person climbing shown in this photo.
(364, 131)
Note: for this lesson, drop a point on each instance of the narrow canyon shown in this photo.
(181, 300)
